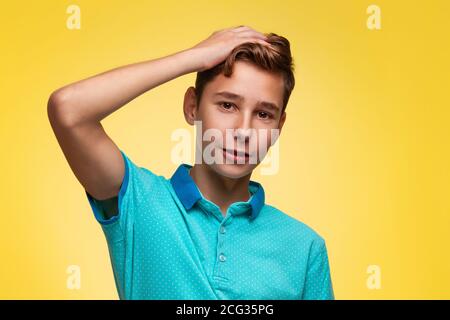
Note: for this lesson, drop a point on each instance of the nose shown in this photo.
(243, 130)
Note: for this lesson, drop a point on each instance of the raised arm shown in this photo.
(75, 110)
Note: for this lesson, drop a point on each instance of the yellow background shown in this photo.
(364, 152)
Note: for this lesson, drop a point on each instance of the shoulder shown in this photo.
(292, 227)
(142, 184)
(141, 174)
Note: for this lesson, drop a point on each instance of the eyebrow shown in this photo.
(234, 96)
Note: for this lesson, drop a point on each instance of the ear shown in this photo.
(190, 106)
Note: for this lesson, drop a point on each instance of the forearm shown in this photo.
(96, 97)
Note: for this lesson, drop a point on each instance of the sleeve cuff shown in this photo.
(112, 205)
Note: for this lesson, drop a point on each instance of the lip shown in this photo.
(235, 155)
(236, 152)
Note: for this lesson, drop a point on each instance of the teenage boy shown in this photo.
(206, 232)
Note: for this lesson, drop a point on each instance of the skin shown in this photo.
(224, 183)
(75, 112)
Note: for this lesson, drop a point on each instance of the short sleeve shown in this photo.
(318, 284)
(114, 211)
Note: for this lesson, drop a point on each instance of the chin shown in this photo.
(233, 171)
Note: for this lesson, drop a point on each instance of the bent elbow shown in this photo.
(57, 108)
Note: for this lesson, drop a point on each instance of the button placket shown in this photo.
(222, 231)
(221, 250)
(222, 257)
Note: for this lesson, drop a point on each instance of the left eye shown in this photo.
(264, 115)
(226, 105)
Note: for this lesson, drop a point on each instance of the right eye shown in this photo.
(226, 105)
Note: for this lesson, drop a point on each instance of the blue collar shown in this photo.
(188, 192)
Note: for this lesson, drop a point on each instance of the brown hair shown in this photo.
(276, 58)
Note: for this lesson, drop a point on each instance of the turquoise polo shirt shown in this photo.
(167, 241)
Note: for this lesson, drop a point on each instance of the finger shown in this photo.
(256, 40)
(252, 33)
(240, 28)
(233, 29)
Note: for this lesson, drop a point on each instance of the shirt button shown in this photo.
(222, 257)
(222, 229)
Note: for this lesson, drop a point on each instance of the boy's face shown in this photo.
(240, 105)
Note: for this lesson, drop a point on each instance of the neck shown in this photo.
(223, 191)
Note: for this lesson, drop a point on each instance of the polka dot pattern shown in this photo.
(161, 250)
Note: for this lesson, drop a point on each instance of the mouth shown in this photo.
(236, 155)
